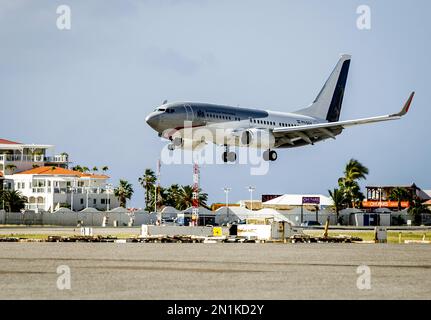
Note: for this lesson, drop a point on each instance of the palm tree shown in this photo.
(339, 199)
(147, 182)
(95, 169)
(172, 194)
(400, 194)
(105, 168)
(416, 209)
(77, 168)
(353, 172)
(13, 200)
(185, 198)
(123, 192)
(85, 169)
(161, 198)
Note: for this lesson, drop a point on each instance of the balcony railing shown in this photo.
(65, 190)
(34, 158)
(33, 206)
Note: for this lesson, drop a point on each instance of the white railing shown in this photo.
(41, 190)
(33, 158)
(56, 158)
(33, 206)
(80, 190)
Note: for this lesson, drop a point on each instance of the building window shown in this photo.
(102, 201)
(82, 201)
(94, 201)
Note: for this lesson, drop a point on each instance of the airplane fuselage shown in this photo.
(172, 119)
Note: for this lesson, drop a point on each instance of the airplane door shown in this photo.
(189, 112)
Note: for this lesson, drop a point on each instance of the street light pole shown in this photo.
(108, 192)
(226, 191)
(251, 189)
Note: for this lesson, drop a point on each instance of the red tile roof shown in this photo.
(55, 171)
(1, 175)
(4, 141)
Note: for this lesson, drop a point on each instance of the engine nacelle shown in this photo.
(257, 138)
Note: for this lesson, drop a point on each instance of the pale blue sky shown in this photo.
(88, 90)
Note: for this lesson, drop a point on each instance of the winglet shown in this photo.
(406, 107)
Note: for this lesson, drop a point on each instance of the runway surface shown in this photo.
(214, 271)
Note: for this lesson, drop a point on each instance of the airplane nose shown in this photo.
(152, 120)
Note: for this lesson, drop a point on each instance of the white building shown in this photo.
(47, 183)
(16, 157)
(49, 188)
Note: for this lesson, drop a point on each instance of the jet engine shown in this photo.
(257, 138)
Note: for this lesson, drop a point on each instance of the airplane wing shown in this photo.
(308, 134)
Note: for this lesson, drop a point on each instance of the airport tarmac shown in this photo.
(214, 271)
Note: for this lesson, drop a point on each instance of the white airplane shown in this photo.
(262, 129)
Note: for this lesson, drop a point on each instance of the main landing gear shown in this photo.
(270, 155)
(228, 156)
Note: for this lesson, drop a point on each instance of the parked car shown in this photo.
(310, 224)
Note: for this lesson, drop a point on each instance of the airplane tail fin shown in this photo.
(328, 103)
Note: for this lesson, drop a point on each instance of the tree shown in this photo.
(355, 170)
(95, 169)
(400, 194)
(147, 182)
(13, 200)
(349, 185)
(123, 192)
(339, 199)
(85, 169)
(172, 195)
(161, 198)
(185, 198)
(105, 168)
(416, 209)
(77, 168)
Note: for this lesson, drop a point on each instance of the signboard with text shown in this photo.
(310, 200)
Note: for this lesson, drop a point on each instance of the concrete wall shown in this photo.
(69, 218)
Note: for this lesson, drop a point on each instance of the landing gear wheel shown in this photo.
(231, 156)
(178, 142)
(270, 155)
(273, 155)
(224, 157)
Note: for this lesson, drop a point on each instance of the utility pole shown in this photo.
(72, 190)
(159, 217)
(226, 191)
(195, 202)
(251, 189)
(108, 191)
